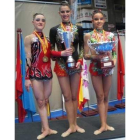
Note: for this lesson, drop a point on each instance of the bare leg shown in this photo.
(106, 87)
(65, 87)
(47, 93)
(74, 82)
(38, 88)
(98, 87)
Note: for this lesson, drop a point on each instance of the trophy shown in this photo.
(67, 36)
(102, 48)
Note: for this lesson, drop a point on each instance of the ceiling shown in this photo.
(51, 0)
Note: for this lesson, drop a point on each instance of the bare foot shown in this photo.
(46, 133)
(99, 131)
(79, 129)
(110, 128)
(52, 132)
(41, 136)
(68, 132)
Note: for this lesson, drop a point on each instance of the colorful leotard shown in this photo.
(60, 64)
(93, 68)
(40, 70)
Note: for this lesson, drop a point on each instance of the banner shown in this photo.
(84, 2)
(100, 4)
(86, 15)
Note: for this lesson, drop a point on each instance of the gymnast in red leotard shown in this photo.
(38, 70)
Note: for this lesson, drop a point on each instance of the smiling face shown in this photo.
(65, 13)
(98, 21)
(39, 22)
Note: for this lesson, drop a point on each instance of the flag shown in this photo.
(27, 97)
(83, 92)
(74, 11)
(120, 71)
(48, 109)
(18, 83)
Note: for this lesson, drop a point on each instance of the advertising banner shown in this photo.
(86, 15)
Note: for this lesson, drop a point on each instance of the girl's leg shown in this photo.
(74, 83)
(66, 91)
(38, 90)
(107, 80)
(98, 87)
(47, 92)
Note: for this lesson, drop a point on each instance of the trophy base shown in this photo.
(70, 65)
(90, 112)
(106, 65)
(61, 118)
(121, 105)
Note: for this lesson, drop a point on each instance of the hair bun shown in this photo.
(97, 11)
(64, 2)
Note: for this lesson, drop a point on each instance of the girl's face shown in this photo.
(65, 13)
(39, 22)
(98, 21)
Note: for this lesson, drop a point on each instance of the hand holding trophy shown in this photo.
(67, 36)
(103, 48)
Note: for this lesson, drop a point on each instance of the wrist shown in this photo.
(61, 54)
(56, 53)
(27, 74)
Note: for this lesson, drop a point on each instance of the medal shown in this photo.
(45, 59)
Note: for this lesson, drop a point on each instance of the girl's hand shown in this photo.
(67, 52)
(114, 60)
(28, 84)
(78, 64)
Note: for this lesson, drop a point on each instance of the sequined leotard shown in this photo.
(93, 68)
(39, 70)
(60, 64)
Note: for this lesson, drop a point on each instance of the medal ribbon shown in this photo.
(97, 37)
(44, 43)
(64, 28)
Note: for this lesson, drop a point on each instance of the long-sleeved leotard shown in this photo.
(93, 68)
(55, 38)
(39, 70)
